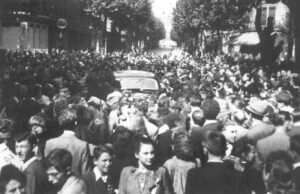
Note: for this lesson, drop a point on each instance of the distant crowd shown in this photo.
(219, 125)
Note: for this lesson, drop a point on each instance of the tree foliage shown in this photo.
(123, 12)
(193, 16)
(135, 16)
(156, 31)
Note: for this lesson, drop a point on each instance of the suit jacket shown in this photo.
(164, 147)
(274, 142)
(129, 183)
(259, 130)
(178, 170)
(212, 178)
(198, 135)
(93, 186)
(36, 178)
(78, 148)
(73, 185)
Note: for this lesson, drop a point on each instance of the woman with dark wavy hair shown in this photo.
(146, 177)
(122, 141)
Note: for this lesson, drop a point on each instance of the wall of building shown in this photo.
(25, 35)
(41, 31)
(8, 37)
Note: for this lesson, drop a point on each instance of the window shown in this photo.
(264, 16)
(272, 11)
(267, 12)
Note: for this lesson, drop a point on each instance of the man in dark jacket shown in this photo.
(215, 177)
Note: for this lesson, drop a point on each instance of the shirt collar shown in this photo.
(28, 162)
(97, 173)
(3, 147)
(67, 132)
(215, 161)
(210, 122)
(296, 165)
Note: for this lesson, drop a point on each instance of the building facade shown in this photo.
(35, 25)
(249, 40)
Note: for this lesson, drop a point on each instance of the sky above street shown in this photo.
(163, 10)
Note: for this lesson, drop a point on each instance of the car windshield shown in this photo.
(142, 84)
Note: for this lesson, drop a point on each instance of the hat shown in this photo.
(258, 108)
(169, 74)
(284, 96)
(115, 94)
(94, 100)
(113, 99)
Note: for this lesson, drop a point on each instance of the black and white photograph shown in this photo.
(149, 96)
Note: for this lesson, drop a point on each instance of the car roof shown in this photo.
(133, 73)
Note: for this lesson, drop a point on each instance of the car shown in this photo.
(140, 83)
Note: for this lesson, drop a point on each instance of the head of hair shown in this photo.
(60, 159)
(122, 104)
(84, 115)
(99, 150)
(60, 103)
(37, 120)
(211, 109)
(239, 117)
(195, 101)
(123, 142)
(9, 173)
(241, 147)
(141, 105)
(215, 143)
(210, 94)
(295, 144)
(94, 105)
(163, 105)
(279, 166)
(172, 118)
(137, 124)
(222, 93)
(67, 119)
(240, 103)
(198, 117)
(142, 139)
(280, 118)
(176, 106)
(31, 138)
(182, 146)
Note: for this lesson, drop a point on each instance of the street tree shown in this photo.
(133, 16)
(212, 16)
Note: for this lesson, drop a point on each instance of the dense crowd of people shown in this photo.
(220, 124)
